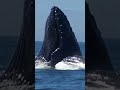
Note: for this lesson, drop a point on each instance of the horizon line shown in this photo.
(42, 41)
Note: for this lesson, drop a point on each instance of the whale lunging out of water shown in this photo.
(97, 56)
(21, 68)
(59, 41)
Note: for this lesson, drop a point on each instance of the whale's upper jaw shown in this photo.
(55, 10)
(51, 39)
(56, 13)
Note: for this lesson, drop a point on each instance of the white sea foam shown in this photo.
(41, 65)
(68, 63)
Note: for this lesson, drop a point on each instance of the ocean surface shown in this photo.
(51, 79)
(56, 79)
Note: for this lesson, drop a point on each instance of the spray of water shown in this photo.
(68, 63)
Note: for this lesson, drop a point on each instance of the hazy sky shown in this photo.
(73, 9)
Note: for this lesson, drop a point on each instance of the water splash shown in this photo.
(41, 65)
(68, 63)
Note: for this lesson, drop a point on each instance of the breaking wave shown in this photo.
(68, 63)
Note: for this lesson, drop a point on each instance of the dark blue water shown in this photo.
(51, 79)
(59, 80)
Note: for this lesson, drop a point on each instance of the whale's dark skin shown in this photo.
(59, 41)
(21, 68)
(96, 53)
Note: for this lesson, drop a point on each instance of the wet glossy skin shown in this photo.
(59, 41)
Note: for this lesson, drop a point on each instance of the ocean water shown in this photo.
(51, 79)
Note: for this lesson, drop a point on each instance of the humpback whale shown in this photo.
(97, 57)
(21, 68)
(59, 40)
